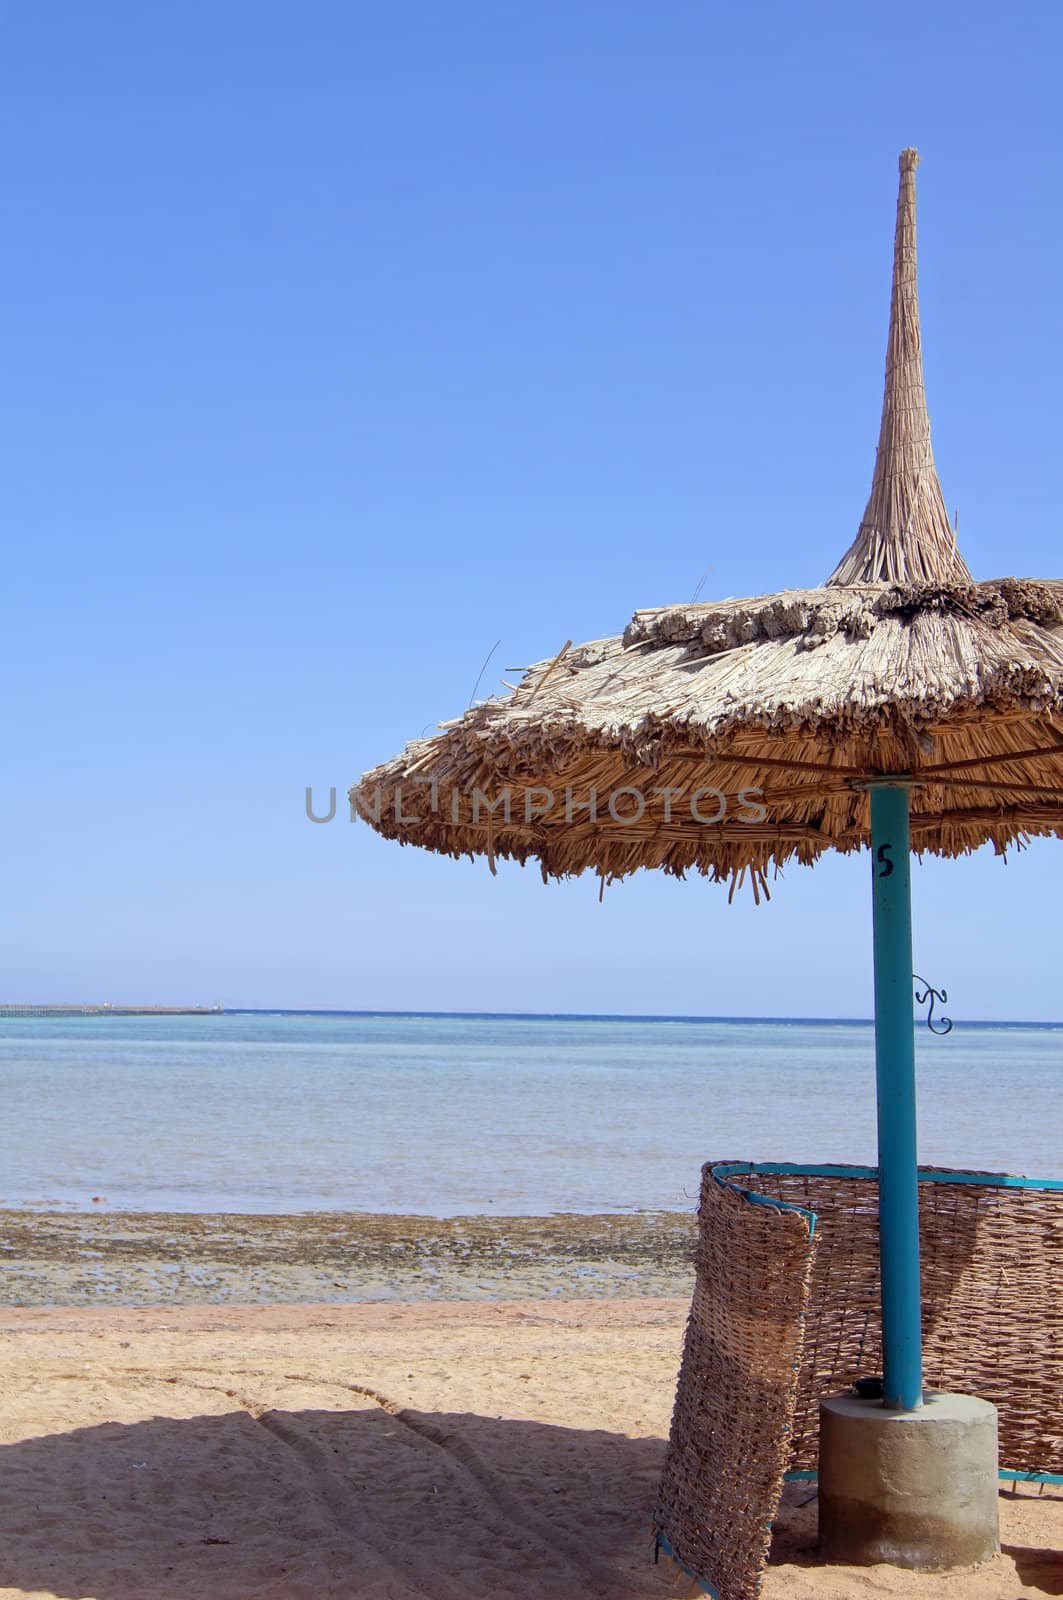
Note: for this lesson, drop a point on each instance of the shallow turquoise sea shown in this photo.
(444, 1115)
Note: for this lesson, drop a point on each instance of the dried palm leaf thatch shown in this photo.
(731, 736)
(905, 534)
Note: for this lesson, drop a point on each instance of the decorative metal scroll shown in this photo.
(938, 1025)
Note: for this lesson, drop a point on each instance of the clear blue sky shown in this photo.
(343, 339)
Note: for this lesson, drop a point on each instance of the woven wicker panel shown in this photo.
(992, 1310)
(730, 1438)
(780, 1319)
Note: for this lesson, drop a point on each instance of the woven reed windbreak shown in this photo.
(729, 1444)
(992, 1309)
(809, 1323)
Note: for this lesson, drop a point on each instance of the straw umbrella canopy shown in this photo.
(900, 663)
(903, 706)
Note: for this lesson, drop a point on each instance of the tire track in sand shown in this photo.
(497, 1504)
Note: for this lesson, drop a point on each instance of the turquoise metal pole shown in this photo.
(898, 1192)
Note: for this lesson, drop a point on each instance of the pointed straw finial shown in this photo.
(905, 535)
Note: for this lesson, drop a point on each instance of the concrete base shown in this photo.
(912, 1488)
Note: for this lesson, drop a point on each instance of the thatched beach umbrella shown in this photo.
(903, 706)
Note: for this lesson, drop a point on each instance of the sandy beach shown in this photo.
(432, 1451)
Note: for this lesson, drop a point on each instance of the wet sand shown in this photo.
(127, 1259)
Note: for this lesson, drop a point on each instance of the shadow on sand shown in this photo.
(323, 1504)
(1038, 1569)
(368, 1504)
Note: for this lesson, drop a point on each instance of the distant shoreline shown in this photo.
(106, 1009)
(11, 1010)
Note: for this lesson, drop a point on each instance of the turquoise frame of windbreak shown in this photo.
(661, 1543)
(723, 1170)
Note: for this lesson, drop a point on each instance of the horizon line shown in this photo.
(610, 1016)
(169, 1013)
